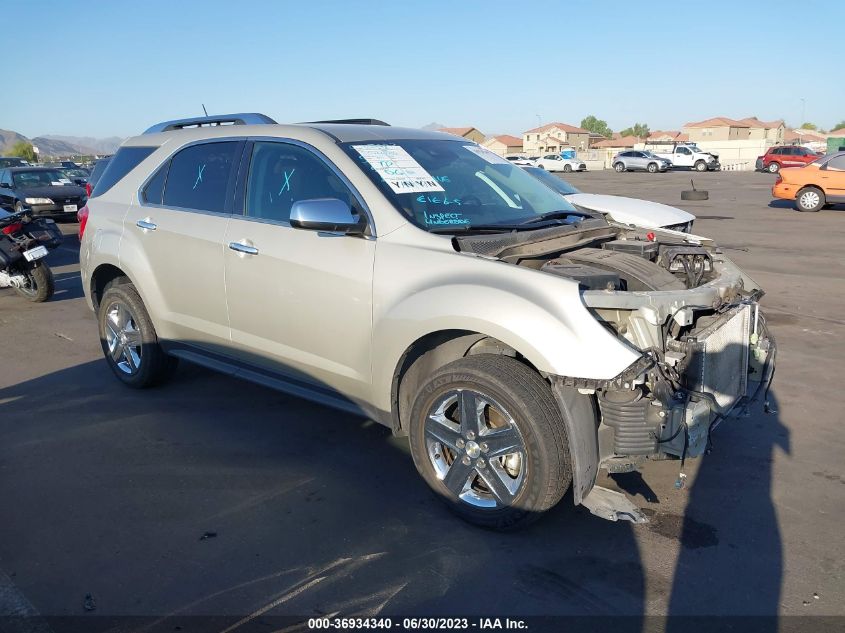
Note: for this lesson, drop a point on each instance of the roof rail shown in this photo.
(351, 122)
(243, 118)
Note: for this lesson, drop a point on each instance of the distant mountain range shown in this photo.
(56, 146)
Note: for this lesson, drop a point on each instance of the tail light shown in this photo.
(88, 189)
(12, 228)
(82, 218)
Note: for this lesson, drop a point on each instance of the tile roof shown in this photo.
(840, 133)
(799, 134)
(507, 139)
(457, 131)
(719, 121)
(624, 141)
(753, 121)
(658, 134)
(562, 126)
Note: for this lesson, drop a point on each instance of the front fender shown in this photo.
(539, 315)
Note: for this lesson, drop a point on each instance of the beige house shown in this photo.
(554, 137)
(469, 133)
(718, 129)
(769, 130)
(504, 144)
(725, 129)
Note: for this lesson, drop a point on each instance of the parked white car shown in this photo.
(516, 159)
(633, 211)
(556, 162)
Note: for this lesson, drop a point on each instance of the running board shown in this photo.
(613, 506)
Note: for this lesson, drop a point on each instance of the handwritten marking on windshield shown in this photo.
(444, 218)
(445, 200)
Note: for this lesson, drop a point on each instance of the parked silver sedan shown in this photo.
(639, 160)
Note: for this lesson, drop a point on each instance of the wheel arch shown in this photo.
(103, 276)
(432, 351)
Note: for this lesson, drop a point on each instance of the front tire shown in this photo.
(810, 199)
(503, 462)
(619, 167)
(773, 168)
(129, 340)
(700, 166)
(652, 168)
(40, 283)
(567, 168)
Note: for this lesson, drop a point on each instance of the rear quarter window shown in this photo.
(125, 160)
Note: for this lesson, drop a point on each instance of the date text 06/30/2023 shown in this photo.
(416, 624)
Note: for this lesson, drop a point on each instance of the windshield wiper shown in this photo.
(558, 215)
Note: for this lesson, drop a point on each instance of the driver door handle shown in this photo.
(146, 225)
(243, 248)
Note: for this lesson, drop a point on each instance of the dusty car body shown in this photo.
(519, 355)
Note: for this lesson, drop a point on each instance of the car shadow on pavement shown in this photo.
(733, 563)
(211, 495)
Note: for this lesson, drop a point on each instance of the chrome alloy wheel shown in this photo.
(123, 338)
(476, 449)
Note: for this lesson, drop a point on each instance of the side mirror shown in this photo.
(326, 214)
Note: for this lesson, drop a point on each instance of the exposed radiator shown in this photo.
(719, 363)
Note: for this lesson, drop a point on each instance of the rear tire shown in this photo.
(619, 167)
(41, 286)
(515, 414)
(773, 168)
(810, 199)
(129, 340)
(652, 168)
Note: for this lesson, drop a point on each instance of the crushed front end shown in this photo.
(707, 354)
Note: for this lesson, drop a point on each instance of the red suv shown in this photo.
(785, 156)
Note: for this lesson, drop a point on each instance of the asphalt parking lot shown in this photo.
(215, 496)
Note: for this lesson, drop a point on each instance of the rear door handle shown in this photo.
(243, 248)
(146, 225)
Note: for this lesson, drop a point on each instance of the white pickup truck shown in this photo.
(686, 155)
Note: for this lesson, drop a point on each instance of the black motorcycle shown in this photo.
(24, 242)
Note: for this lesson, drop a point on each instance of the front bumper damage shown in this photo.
(707, 354)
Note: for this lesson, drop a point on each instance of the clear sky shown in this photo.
(97, 68)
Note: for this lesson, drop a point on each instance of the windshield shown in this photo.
(40, 178)
(441, 184)
(648, 154)
(76, 173)
(550, 180)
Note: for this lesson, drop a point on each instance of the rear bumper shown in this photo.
(784, 191)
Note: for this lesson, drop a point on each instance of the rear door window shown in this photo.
(201, 177)
(125, 160)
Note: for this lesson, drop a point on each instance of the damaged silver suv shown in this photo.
(520, 342)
